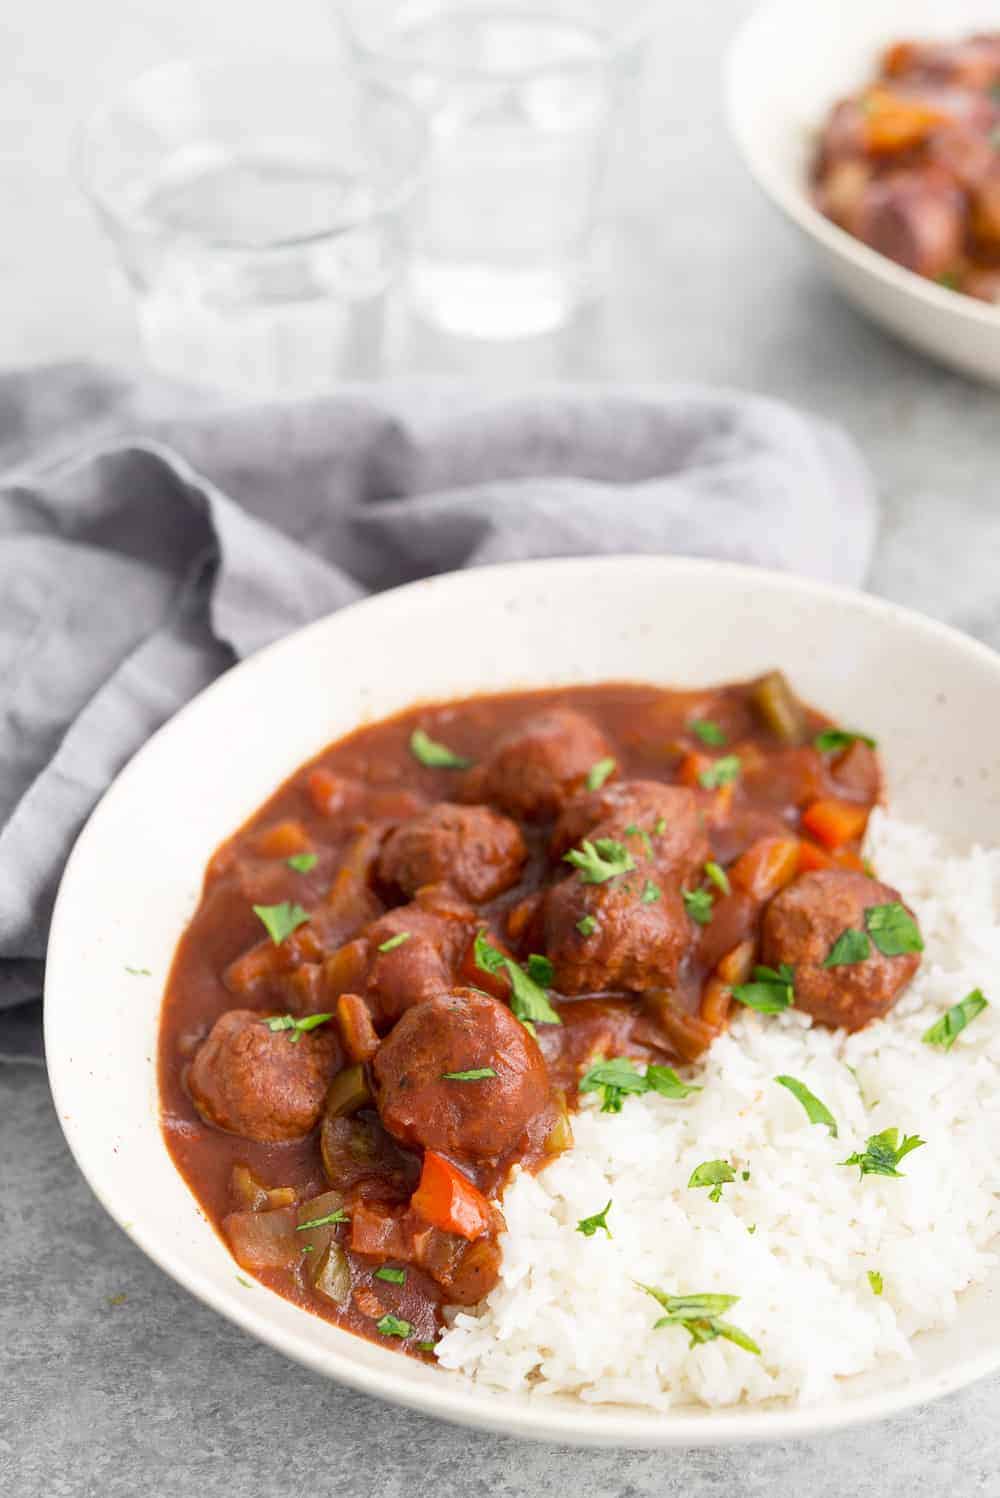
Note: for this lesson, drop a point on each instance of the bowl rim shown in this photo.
(795, 202)
(449, 1396)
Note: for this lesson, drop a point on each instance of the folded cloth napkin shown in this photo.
(151, 537)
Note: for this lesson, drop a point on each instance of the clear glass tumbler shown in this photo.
(524, 102)
(260, 212)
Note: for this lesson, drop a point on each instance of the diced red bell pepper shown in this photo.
(447, 1199)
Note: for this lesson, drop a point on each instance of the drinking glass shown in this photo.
(524, 104)
(259, 210)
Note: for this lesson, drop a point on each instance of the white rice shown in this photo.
(566, 1316)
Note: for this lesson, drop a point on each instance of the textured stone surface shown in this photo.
(157, 1395)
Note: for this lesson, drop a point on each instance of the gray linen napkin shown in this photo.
(150, 536)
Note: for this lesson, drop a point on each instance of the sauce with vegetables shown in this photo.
(911, 163)
(409, 962)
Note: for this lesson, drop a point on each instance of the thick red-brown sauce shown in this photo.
(648, 728)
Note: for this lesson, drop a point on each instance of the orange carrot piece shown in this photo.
(283, 840)
(448, 1200)
(891, 123)
(692, 767)
(834, 823)
(766, 867)
(811, 857)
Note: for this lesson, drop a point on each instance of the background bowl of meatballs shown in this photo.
(875, 126)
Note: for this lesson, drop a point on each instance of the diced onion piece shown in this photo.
(716, 1002)
(332, 1276)
(688, 1033)
(737, 965)
(263, 1240)
(315, 1241)
(259, 1198)
(356, 1028)
(345, 970)
(778, 708)
(560, 1136)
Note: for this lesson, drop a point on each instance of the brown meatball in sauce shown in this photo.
(538, 766)
(461, 1031)
(252, 1081)
(472, 848)
(802, 924)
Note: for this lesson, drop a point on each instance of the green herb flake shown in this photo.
(634, 830)
(330, 1220)
(698, 904)
(586, 925)
(850, 947)
(246, 1283)
(708, 732)
(281, 920)
(392, 942)
(613, 1079)
(816, 1112)
(718, 876)
(949, 279)
(752, 1228)
(720, 772)
(307, 1248)
(426, 1346)
(875, 1280)
(771, 992)
(588, 1226)
(435, 756)
(528, 1000)
(392, 1326)
(303, 863)
(893, 929)
(600, 860)
(650, 893)
(391, 1276)
(835, 740)
(476, 1074)
(945, 1031)
(540, 970)
(297, 1027)
(713, 1173)
(700, 1316)
(598, 773)
(117, 1300)
(659, 826)
(139, 972)
(665, 1081)
(883, 1152)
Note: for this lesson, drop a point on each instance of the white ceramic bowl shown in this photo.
(931, 695)
(787, 64)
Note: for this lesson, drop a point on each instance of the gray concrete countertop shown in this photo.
(154, 1394)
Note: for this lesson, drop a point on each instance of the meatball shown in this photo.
(916, 217)
(476, 851)
(459, 1031)
(627, 941)
(436, 930)
(645, 804)
(256, 1082)
(538, 766)
(801, 925)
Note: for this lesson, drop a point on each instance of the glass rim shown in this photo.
(85, 147)
(615, 45)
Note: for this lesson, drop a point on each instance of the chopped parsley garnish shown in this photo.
(698, 904)
(247, 1283)
(298, 1027)
(586, 925)
(598, 773)
(945, 1031)
(718, 876)
(426, 1346)
(875, 1280)
(708, 732)
(540, 970)
(816, 1112)
(633, 830)
(700, 1316)
(833, 740)
(883, 1153)
(528, 1000)
(714, 1173)
(720, 772)
(659, 826)
(307, 1248)
(117, 1300)
(650, 893)
(476, 1074)
(392, 942)
(435, 756)
(771, 991)
(949, 279)
(391, 1276)
(392, 1326)
(618, 1076)
(600, 860)
(588, 1226)
(281, 920)
(330, 1220)
(893, 929)
(303, 863)
(850, 947)
(139, 972)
